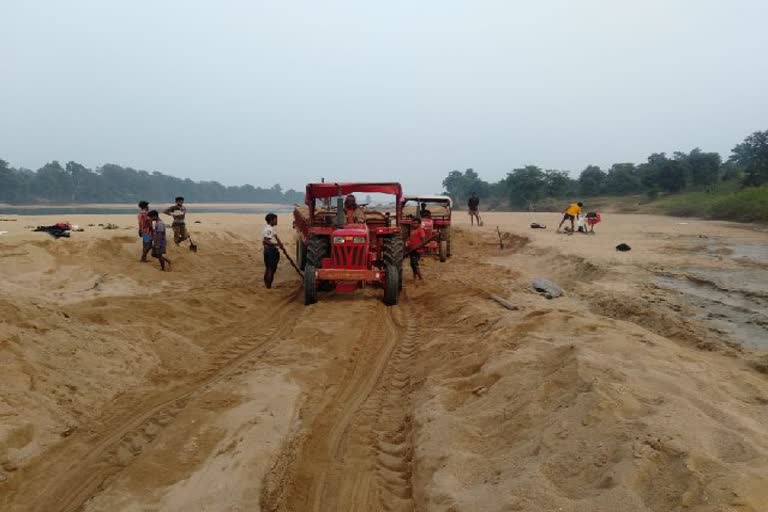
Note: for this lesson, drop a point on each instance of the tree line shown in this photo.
(527, 187)
(110, 183)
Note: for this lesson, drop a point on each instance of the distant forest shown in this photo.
(110, 183)
(530, 187)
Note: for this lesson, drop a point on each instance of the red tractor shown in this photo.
(344, 246)
(435, 215)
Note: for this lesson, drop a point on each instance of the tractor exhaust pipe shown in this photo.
(341, 215)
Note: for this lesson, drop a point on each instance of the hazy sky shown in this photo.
(286, 91)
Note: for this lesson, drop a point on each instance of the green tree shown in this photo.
(752, 156)
(559, 183)
(623, 179)
(703, 167)
(730, 171)
(460, 185)
(526, 186)
(592, 181)
(660, 172)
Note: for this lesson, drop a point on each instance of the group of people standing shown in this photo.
(152, 230)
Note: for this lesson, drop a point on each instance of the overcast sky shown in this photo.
(285, 91)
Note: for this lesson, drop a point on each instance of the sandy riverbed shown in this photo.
(644, 388)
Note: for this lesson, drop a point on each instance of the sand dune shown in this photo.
(643, 388)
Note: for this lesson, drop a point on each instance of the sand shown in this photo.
(643, 388)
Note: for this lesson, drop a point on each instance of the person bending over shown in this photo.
(570, 214)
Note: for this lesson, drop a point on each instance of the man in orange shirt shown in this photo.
(415, 241)
(570, 213)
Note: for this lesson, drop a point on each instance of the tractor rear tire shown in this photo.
(391, 285)
(310, 285)
(319, 247)
(301, 254)
(443, 250)
(393, 252)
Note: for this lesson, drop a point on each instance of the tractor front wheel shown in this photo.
(443, 250)
(391, 285)
(310, 285)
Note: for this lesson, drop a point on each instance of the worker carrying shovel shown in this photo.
(271, 253)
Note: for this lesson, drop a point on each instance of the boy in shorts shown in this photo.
(158, 240)
(145, 230)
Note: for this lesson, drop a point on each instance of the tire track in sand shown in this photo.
(70, 475)
(356, 454)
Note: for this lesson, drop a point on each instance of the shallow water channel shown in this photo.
(733, 302)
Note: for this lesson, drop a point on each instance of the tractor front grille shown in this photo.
(349, 256)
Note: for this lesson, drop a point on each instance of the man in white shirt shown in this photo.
(271, 253)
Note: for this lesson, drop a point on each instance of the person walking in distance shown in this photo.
(415, 246)
(474, 209)
(159, 241)
(570, 213)
(179, 213)
(271, 253)
(145, 230)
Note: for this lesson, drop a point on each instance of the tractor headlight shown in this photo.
(338, 239)
(358, 240)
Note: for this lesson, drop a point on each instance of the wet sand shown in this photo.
(639, 390)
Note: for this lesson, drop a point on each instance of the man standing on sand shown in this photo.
(570, 213)
(158, 240)
(474, 210)
(179, 213)
(145, 230)
(415, 246)
(271, 253)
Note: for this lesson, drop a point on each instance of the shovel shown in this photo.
(293, 264)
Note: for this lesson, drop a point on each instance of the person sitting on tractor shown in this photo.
(424, 213)
(355, 213)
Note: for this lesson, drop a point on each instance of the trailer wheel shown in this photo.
(391, 285)
(310, 285)
(443, 250)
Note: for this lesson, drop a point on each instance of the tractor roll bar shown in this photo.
(328, 190)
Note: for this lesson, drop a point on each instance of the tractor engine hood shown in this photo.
(352, 231)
